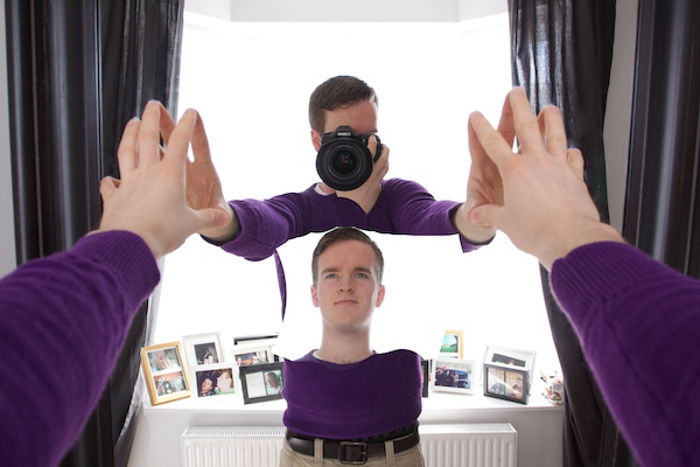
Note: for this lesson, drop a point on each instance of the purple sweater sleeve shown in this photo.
(403, 207)
(639, 325)
(64, 320)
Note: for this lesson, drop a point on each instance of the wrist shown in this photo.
(573, 236)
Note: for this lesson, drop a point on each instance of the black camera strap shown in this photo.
(281, 281)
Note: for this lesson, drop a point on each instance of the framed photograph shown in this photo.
(202, 349)
(452, 344)
(261, 340)
(246, 355)
(453, 375)
(426, 371)
(511, 358)
(506, 383)
(214, 380)
(262, 382)
(164, 372)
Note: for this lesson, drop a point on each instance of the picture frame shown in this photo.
(453, 375)
(262, 382)
(165, 372)
(268, 340)
(217, 379)
(426, 371)
(511, 358)
(506, 382)
(452, 344)
(252, 354)
(203, 349)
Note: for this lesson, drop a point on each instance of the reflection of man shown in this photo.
(257, 228)
(344, 390)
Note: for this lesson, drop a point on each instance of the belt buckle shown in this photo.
(353, 452)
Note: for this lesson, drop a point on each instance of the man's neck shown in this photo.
(344, 347)
(325, 188)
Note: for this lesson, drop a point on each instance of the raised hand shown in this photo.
(150, 199)
(545, 207)
(366, 195)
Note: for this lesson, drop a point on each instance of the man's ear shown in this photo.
(314, 296)
(316, 139)
(380, 296)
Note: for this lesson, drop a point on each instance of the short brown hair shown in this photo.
(342, 234)
(336, 92)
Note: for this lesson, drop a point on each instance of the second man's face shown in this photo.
(361, 117)
(347, 290)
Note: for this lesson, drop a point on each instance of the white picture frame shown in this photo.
(251, 354)
(222, 379)
(200, 347)
(453, 375)
(508, 357)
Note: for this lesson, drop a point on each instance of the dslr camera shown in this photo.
(344, 161)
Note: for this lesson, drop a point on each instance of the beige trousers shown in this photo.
(409, 458)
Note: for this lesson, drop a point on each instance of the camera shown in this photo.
(344, 161)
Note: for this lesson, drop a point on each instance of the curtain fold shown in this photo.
(662, 206)
(561, 54)
(77, 72)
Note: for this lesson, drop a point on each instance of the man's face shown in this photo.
(347, 289)
(361, 117)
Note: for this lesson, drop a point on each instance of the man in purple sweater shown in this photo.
(345, 402)
(638, 321)
(64, 318)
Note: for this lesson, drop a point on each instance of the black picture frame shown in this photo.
(254, 385)
(426, 370)
(497, 379)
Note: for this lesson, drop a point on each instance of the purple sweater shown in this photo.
(639, 325)
(63, 322)
(403, 207)
(379, 394)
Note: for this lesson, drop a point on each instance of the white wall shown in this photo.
(619, 108)
(8, 259)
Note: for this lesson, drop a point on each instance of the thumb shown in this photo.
(108, 186)
(211, 217)
(485, 215)
(575, 160)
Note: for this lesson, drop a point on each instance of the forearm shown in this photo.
(64, 320)
(637, 322)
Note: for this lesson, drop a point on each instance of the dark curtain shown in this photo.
(662, 207)
(561, 54)
(77, 72)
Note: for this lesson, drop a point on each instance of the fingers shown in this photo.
(526, 126)
(200, 142)
(486, 215)
(149, 134)
(574, 157)
(167, 124)
(554, 131)
(506, 124)
(493, 144)
(176, 152)
(127, 152)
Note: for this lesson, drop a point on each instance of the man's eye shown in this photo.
(362, 275)
(331, 275)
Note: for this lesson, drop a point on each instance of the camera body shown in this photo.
(344, 161)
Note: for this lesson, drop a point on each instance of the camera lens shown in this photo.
(344, 162)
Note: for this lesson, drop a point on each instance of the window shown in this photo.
(251, 83)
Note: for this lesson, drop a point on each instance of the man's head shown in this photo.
(347, 269)
(342, 100)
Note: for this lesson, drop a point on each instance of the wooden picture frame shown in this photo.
(165, 372)
(452, 345)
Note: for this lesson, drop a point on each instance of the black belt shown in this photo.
(351, 452)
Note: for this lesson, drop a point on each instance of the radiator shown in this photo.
(463, 445)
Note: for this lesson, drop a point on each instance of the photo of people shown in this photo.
(453, 375)
(206, 353)
(251, 358)
(262, 382)
(169, 383)
(506, 384)
(214, 381)
(163, 359)
(273, 382)
(507, 360)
